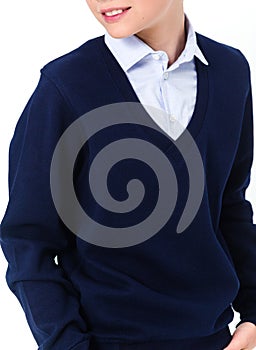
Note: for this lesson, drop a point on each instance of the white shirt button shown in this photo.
(165, 75)
(156, 56)
(172, 118)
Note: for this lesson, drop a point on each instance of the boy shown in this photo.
(170, 291)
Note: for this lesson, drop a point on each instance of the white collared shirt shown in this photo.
(172, 91)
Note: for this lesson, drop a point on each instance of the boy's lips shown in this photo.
(115, 17)
(110, 9)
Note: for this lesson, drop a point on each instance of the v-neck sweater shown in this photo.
(175, 291)
(171, 88)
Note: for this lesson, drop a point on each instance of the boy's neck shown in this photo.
(170, 37)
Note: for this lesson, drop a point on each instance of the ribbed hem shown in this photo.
(215, 341)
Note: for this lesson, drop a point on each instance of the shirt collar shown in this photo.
(138, 49)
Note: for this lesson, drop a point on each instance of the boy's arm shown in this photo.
(236, 221)
(32, 233)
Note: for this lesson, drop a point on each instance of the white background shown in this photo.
(33, 32)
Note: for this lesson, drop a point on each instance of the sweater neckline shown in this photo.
(128, 94)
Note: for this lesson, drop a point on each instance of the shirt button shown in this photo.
(165, 75)
(156, 56)
(172, 118)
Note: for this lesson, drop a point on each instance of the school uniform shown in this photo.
(170, 291)
(171, 89)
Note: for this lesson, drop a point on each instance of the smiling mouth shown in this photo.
(114, 11)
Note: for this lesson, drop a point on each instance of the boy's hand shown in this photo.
(244, 337)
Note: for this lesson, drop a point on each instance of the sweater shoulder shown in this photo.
(73, 64)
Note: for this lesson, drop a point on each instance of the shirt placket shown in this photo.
(164, 81)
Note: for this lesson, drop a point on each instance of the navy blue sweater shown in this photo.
(171, 286)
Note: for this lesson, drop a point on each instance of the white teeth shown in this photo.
(114, 12)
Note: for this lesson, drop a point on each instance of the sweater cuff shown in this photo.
(84, 345)
(247, 319)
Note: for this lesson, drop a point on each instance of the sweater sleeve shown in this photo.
(236, 220)
(32, 234)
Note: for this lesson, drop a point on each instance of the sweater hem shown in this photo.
(210, 342)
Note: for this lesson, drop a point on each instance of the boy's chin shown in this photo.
(119, 34)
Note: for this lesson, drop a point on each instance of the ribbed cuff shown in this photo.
(84, 345)
(247, 319)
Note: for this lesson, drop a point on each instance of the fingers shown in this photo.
(244, 337)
